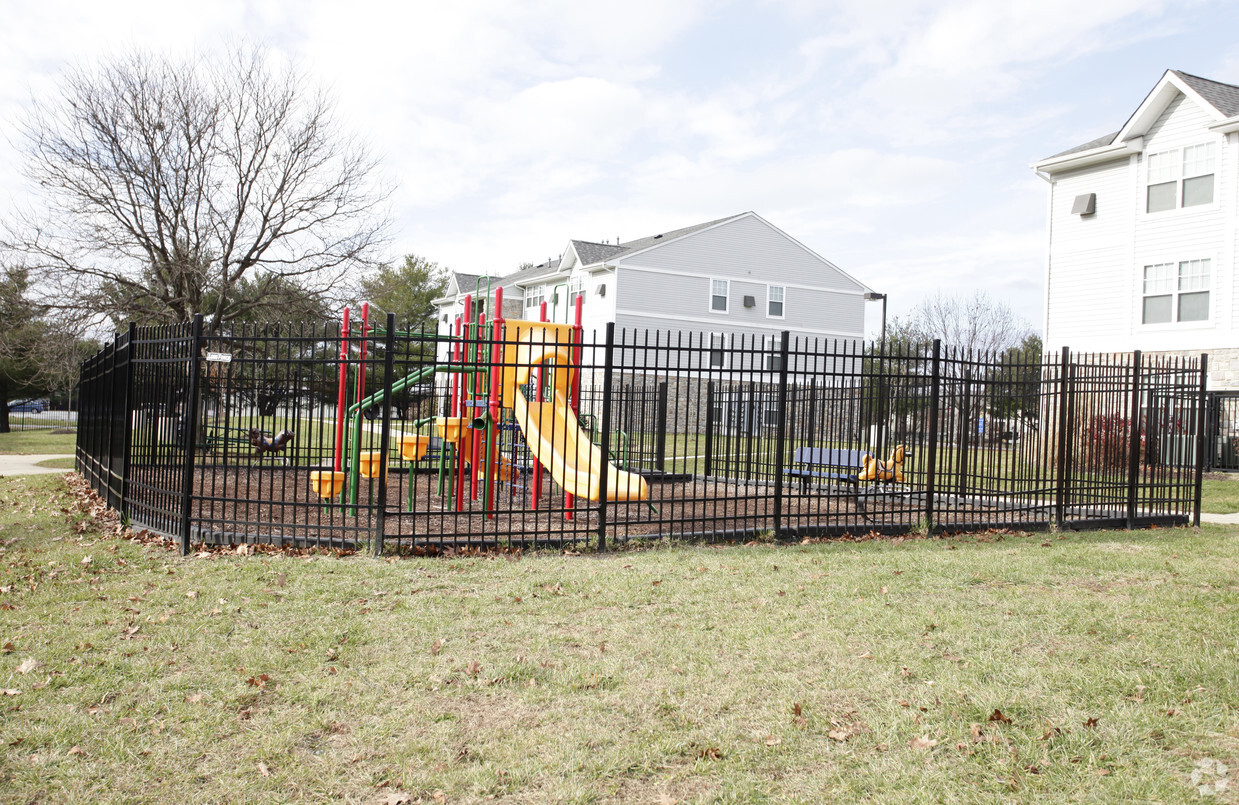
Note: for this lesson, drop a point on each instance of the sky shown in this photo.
(893, 138)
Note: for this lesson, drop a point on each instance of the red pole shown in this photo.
(492, 449)
(477, 397)
(342, 396)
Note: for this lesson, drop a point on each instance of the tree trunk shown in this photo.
(4, 410)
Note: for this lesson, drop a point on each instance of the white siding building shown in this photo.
(1142, 231)
(735, 276)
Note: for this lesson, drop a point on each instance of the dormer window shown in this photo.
(1181, 177)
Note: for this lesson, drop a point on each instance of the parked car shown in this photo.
(28, 407)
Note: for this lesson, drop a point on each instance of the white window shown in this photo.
(718, 358)
(718, 295)
(1176, 292)
(1181, 177)
(534, 297)
(772, 349)
(774, 301)
(576, 287)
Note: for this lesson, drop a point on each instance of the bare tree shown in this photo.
(978, 323)
(163, 184)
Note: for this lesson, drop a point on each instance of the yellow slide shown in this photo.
(551, 428)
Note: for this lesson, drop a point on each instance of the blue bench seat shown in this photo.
(828, 463)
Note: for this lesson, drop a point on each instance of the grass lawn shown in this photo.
(1098, 667)
(29, 442)
(1220, 496)
(58, 463)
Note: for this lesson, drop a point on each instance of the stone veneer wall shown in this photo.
(1223, 366)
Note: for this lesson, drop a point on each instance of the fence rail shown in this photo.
(568, 438)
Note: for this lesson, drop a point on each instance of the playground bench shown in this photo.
(827, 463)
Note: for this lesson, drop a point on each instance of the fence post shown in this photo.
(1200, 439)
(191, 429)
(780, 439)
(931, 467)
(607, 366)
(130, 348)
(1133, 446)
(660, 447)
(709, 426)
(380, 515)
(106, 448)
(1060, 487)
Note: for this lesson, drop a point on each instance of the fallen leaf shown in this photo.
(28, 665)
(436, 647)
(923, 742)
(1092, 722)
(281, 579)
(10, 692)
(263, 770)
(710, 753)
(86, 560)
(8, 648)
(191, 594)
(773, 740)
(76, 750)
(839, 735)
(999, 717)
(398, 798)
(194, 698)
(474, 668)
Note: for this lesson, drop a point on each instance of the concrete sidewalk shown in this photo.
(25, 465)
(1221, 519)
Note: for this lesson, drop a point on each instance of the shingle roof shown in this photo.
(653, 240)
(533, 272)
(591, 253)
(1224, 97)
(1100, 141)
(468, 283)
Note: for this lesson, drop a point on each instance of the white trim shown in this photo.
(1227, 126)
(782, 301)
(1181, 177)
(1093, 156)
(726, 297)
(822, 288)
(1174, 325)
(738, 325)
(1151, 108)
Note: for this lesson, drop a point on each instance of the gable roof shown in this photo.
(1220, 100)
(468, 283)
(589, 253)
(1222, 97)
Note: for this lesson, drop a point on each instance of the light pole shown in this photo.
(877, 430)
(873, 296)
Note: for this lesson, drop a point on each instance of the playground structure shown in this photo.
(522, 381)
(507, 432)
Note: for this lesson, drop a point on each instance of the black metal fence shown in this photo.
(530, 435)
(1223, 431)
